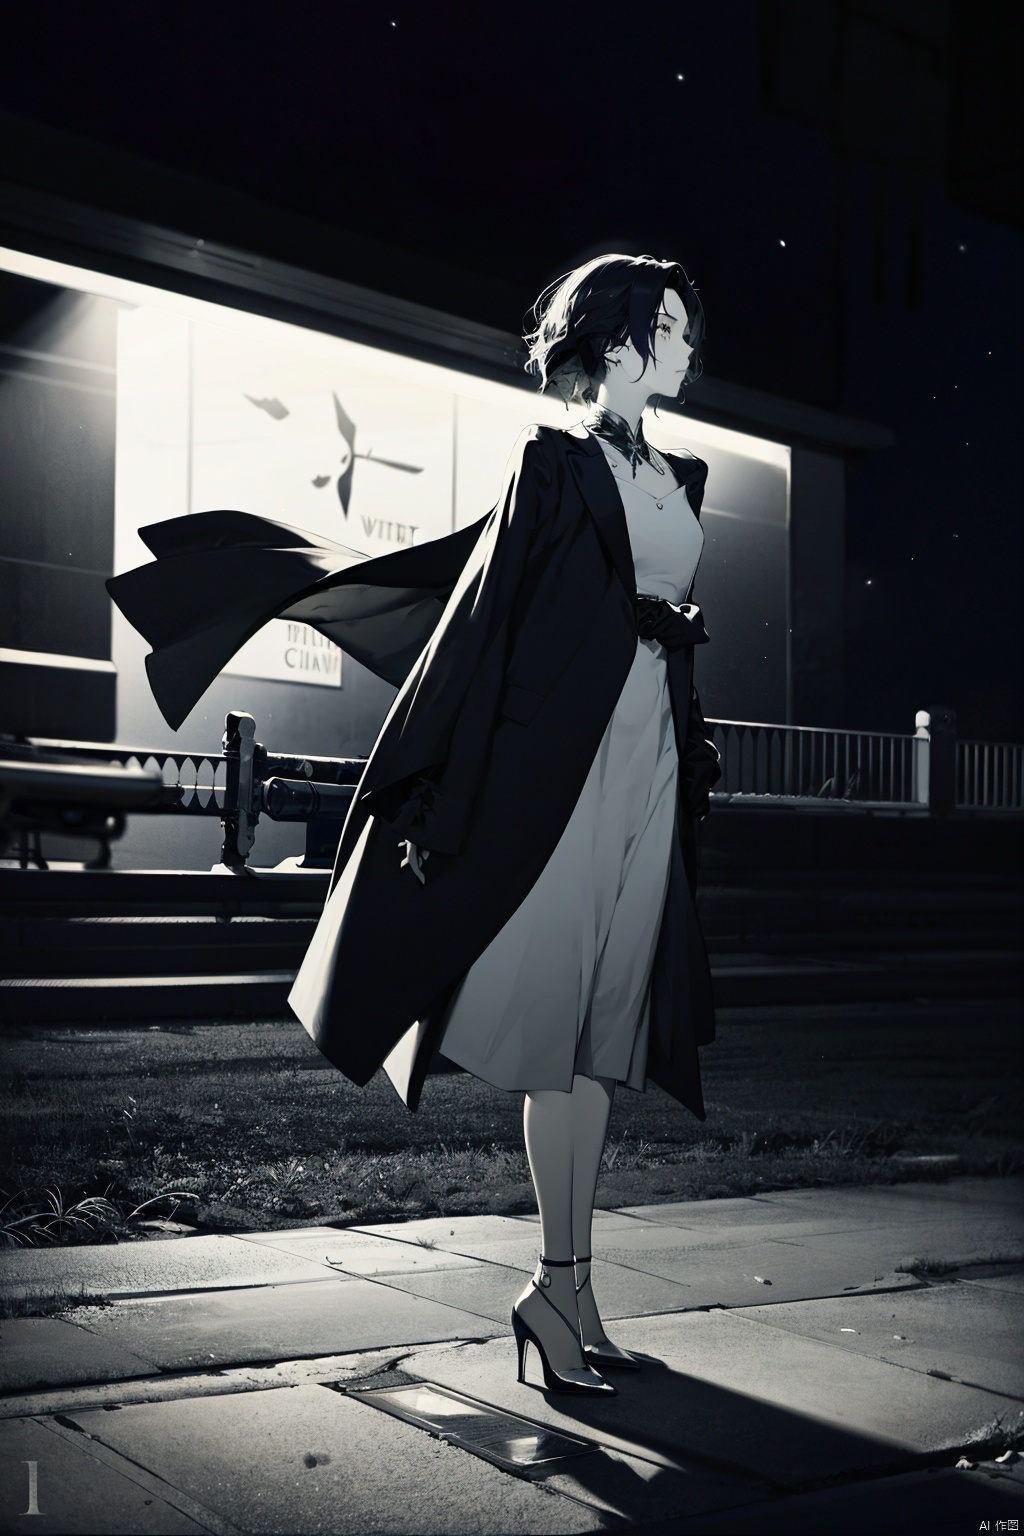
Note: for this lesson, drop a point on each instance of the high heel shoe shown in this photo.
(586, 1382)
(606, 1355)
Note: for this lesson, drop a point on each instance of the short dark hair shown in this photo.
(599, 306)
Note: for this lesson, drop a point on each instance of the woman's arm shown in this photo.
(700, 762)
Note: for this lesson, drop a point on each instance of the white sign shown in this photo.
(219, 409)
(318, 441)
(289, 653)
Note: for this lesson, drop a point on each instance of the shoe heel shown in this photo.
(553, 1382)
(522, 1337)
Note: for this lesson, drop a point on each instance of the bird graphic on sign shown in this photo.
(347, 427)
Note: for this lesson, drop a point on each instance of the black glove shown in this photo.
(672, 627)
(699, 766)
(700, 773)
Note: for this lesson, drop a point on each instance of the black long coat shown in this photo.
(484, 752)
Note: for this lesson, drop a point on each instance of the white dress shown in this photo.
(564, 986)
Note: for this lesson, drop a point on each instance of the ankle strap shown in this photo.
(582, 1258)
(575, 1331)
(557, 1263)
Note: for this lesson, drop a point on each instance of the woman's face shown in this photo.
(663, 372)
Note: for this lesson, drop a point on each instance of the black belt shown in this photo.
(673, 627)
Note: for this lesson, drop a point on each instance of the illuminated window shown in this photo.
(218, 407)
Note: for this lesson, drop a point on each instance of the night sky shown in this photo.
(516, 148)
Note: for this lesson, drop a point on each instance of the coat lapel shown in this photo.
(691, 472)
(597, 487)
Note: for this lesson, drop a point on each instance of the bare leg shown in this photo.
(548, 1125)
(591, 1109)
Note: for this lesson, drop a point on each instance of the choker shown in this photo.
(610, 426)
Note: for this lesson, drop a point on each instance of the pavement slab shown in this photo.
(445, 1230)
(719, 1237)
(971, 1335)
(735, 1210)
(603, 1221)
(729, 1277)
(958, 1240)
(80, 1491)
(902, 1199)
(737, 1231)
(140, 1268)
(519, 1253)
(995, 1278)
(643, 1492)
(285, 1235)
(748, 1392)
(218, 1382)
(940, 1501)
(785, 1224)
(821, 1383)
(724, 1392)
(712, 1276)
(269, 1323)
(48, 1351)
(309, 1459)
(487, 1291)
(490, 1289)
(359, 1254)
(980, 1216)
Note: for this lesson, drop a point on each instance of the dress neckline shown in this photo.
(656, 496)
(659, 497)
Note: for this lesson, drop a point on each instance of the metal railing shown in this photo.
(49, 785)
(989, 775)
(811, 763)
(929, 771)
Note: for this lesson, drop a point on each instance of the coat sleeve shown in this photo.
(425, 769)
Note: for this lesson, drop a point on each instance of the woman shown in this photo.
(522, 839)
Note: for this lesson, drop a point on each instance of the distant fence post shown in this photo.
(934, 777)
(922, 757)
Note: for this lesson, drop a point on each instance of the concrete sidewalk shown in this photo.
(797, 1376)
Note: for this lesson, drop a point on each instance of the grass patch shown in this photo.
(246, 1127)
(933, 1268)
(25, 1222)
(48, 1303)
